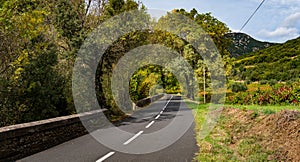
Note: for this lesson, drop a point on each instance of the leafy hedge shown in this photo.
(238, 87)
(284, 95)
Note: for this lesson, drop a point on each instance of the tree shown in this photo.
(196, 44)
(32, 89)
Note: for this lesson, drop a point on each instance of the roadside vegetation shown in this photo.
(249, 133)
(38, 48)
(264, 93)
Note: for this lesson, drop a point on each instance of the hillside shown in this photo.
(243, 44)
(280, 62)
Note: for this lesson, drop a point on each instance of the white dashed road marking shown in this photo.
(157, 117)
(132, 138)
(136, 135)
(105, 157)
(149, 125)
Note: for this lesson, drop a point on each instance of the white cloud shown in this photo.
(289, 29)
(282, 7)
(279, 2)
(286, 2)
(235, 30)
(292, 20)
(283, 32)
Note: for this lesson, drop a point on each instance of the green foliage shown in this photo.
(243, 44)
(279, 62)
(272, 82)
(147, 77)
(36, 91)
(20, 22)
(283, 95)
(238, 87)
(263, 82)
(215, 29)
(68, 20)
(40, 39)
(33, 87)
(133, 40)
(248, 82)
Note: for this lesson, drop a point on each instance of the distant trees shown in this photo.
(238, 87)
(279, 62)
(148, 77)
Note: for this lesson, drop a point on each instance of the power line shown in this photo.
(252, 15)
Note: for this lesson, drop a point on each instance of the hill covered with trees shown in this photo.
(280, 62)
(242, 44)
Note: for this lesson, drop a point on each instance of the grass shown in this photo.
(200, 112)
(270, 109)
(221, 145)
(212, 147)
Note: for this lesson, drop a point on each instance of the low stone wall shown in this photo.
(18, 141)
(147, 101)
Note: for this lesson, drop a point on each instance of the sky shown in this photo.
(276, 21)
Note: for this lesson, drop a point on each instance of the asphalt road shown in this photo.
(144, 139)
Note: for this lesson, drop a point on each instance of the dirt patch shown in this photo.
(276, 134)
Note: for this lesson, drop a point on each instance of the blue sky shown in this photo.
(276, 21)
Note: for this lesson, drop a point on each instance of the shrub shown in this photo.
(284, 95)
(248, 82)
(263, 82)
(289, 82)
(238, 87)
(272, 82)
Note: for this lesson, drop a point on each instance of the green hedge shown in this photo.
(238, 87)
(284, 95)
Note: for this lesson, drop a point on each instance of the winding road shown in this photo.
(142, 134)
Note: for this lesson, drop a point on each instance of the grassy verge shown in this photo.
(231, 139)
(263, 109)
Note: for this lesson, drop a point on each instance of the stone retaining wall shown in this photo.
(147, 101)
(18, 141)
